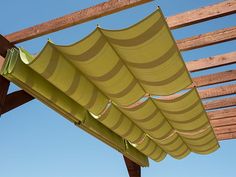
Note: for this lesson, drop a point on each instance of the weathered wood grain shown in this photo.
(202, 14)
(202, 40)
(72, 19)
(211, 62)
(220, 103)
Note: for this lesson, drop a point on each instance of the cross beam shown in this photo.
(72, 19)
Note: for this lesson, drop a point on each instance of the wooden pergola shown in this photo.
(222, 120)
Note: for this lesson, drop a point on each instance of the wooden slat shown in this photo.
(225, 129)
(221, 103)
(134, 169)
(217, 91)
(16, 99)
(209, 93)
(72, 19)
(202, 14)
(211, 62)
(226, 136)
(202, 40)
(215, 78)
(219, 114)
(223, 122)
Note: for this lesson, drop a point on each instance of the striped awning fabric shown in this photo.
(114, 78)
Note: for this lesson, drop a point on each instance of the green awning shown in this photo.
(113, 77)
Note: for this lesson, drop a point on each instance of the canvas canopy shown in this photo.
(113, 78)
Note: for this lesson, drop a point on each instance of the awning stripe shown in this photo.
(148, 34)
(165, 81)
(156, 62)
(110, 74)
(89, 54)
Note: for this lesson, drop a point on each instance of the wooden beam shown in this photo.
(224, 123)
(217, 91)
(210, 92)
(134, 169)
(215, 78)
(225, 129)
(227, 121)
(202, 14)
(16, 99)
(72, 19)
(222, 113)
(226, 136)
(202, 40)
(211, 62)
(220, 103)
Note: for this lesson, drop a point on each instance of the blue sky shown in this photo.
(36, 141)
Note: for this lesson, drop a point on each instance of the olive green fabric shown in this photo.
(111, 72)
(23, 76)
(84, 90)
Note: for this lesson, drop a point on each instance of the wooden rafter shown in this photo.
(224, 123)
(219, 114)
(207, 39)
(218, 91)
(211, 62)
(216, 78)
(226, 136)
(220, 103)
(210, 92)
(219, 123)
(228, 132)
(202, 14)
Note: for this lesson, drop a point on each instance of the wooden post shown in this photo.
(134, 169)
(15, 99)
(4, 83)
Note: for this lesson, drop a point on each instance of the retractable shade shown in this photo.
(113, 78)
